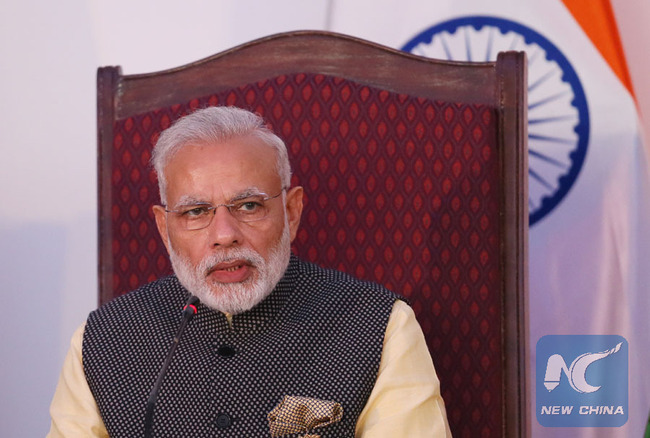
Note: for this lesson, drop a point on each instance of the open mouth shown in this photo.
(235, 271)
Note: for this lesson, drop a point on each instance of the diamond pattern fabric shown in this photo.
(399, 189)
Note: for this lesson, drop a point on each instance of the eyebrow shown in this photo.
(251, 191)
(188, 200)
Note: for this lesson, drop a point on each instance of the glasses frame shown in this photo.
(229, 206)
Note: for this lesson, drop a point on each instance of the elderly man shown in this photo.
(278, 347)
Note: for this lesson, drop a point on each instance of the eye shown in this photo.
(196, 211)
(249, 206)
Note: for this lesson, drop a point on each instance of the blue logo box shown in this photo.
(582, 381)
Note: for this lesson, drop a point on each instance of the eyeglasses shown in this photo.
(250, 208)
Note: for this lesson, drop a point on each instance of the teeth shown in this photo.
(232, 269)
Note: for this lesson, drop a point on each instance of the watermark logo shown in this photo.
(582, 381)
(576, 373)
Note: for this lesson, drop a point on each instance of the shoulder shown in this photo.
(153, 292)
(338, 285)
(148, 300)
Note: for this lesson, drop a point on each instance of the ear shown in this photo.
(161, 222)
(294, 209)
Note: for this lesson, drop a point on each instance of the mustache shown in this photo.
(247, 255)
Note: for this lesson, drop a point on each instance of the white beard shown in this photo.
(234, 298)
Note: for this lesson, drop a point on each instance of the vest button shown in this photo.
(223, 421)
(226, 351)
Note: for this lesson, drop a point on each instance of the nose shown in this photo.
(224, 230)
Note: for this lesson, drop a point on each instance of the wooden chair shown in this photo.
(415, 172)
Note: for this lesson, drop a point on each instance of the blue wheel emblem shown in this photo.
(558, 116)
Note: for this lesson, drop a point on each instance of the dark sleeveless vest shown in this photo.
(319, 334)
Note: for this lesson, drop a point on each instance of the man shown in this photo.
(277, 347)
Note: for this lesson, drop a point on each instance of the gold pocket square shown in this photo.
(302, 414)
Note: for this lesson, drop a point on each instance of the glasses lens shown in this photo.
(196, 217)
(253, 208)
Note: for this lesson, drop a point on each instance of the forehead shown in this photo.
(222, 169)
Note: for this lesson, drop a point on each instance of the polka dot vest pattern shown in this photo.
(319, 334)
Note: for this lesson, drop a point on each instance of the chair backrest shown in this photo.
(415, 177)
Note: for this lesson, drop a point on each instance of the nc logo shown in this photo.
(576, 373)
(581, 380)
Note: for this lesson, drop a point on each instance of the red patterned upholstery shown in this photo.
(401, 189)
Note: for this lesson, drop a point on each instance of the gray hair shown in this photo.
(215, 125)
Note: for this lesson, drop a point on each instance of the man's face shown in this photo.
(230, 265)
